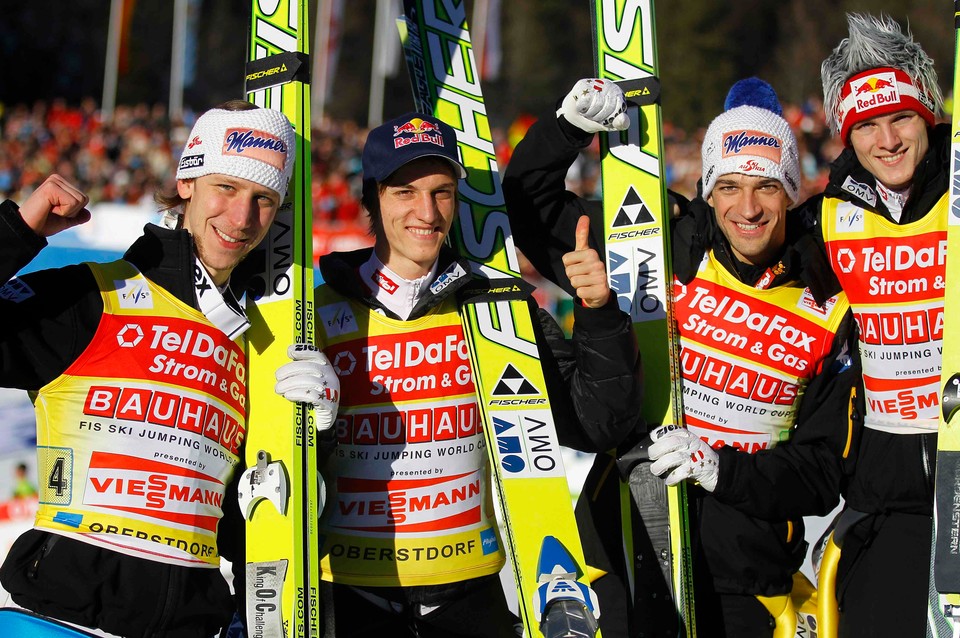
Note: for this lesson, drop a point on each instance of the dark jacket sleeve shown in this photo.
(802, 477)
(597, 397)
(49, 317)
(543, 214)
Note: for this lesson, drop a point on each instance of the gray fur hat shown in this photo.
(877, 69)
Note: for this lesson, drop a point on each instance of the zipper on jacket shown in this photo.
(927, 470)
(48, 544)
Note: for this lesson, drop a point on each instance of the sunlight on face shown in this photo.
(751, 212)
(227, 217)
(891, 146)
(417, 207)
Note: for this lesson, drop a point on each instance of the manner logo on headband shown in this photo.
(255, 144)
(415, 131)
(875, 90)
(756, 143)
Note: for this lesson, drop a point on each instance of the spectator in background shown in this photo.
(23, 487)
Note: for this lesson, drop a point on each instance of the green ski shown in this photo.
(528, 474)
(946, 549)
(637, 242)
(279, 489)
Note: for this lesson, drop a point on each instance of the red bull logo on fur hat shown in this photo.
(873, 90)
(878, 92)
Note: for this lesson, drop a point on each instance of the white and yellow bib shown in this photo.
(408, 487)
(748, 354)
(894, 277)
(138, 437)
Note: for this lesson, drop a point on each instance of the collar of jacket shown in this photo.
(931, 178)
(341, 271)
(165, 257)
(802, 259)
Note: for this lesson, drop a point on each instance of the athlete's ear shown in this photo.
(185, 188)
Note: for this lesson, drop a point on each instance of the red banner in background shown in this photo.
(18, 509)
(331, 237)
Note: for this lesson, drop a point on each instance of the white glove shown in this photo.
(686, 455)
(595, 105)
(309, 378)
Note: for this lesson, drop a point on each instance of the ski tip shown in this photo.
(555, 560)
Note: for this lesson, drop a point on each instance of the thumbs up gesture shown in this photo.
(585, 270)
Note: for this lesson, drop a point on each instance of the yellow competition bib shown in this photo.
(747, 355)
(894, 277)
(137, 439)
(408, 487)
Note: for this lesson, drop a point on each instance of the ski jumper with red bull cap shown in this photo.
(528, 476)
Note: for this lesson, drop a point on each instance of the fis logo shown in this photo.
(850, 218)
(133, 294)
(337, 319)
(196, 141)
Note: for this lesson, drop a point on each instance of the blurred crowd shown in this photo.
(128, 158)
(682, 154)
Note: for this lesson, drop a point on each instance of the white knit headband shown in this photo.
(751, 141)
(257, 144)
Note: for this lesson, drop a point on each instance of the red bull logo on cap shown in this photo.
(417, 131)
(875, 90)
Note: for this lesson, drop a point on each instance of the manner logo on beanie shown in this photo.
(404, 139)
(750, 140)
(256, 144)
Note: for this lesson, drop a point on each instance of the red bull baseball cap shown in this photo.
(404, 139)
(878, 92)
